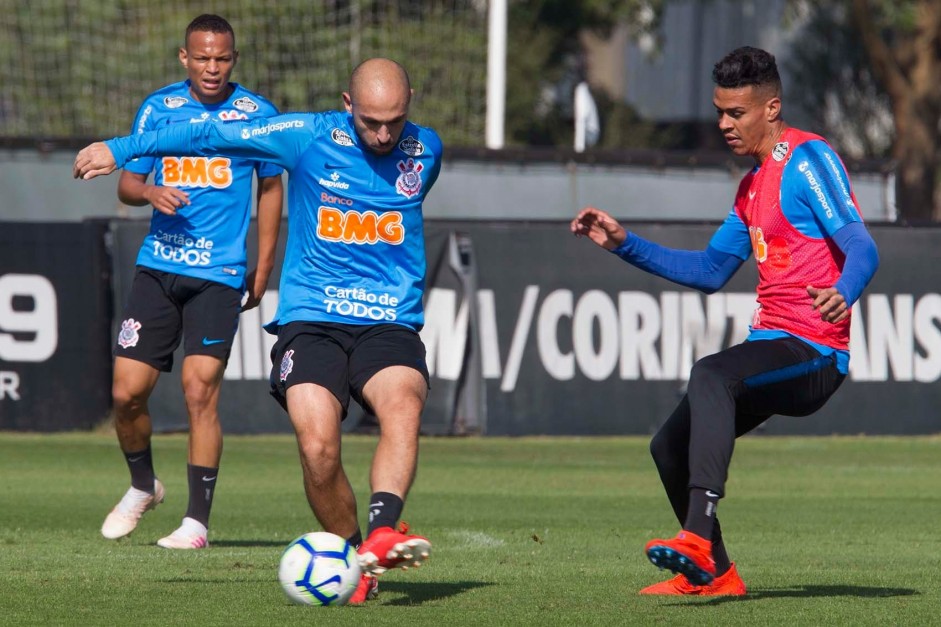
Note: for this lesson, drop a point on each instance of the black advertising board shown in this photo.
(55, 313)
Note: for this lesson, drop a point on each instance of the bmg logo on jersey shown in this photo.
(353, 227)
(212, 172)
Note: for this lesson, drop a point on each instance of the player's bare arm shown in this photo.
(829, 302)
(270, 196)
(93, 160)
(599, 227)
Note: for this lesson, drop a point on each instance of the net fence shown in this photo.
(80, 68)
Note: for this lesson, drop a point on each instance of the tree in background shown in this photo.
(545, 62)
(902, 39)
(871, 72)
(870, 69)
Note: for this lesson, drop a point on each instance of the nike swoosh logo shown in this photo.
(711, 494)
(751, 195)
(205, 478)
(379, 504)
(135, 459)
(208, 342)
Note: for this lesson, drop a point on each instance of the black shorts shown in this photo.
(163, 307)
(341, 357)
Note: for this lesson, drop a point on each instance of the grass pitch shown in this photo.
(529, 531)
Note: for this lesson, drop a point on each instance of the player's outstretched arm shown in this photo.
(599, 227)
(93, 160)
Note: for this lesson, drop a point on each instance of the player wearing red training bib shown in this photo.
(796, 214)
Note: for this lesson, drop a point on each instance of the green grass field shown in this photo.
(531, 531)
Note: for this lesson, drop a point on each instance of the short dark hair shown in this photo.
(208, 23)
(747, 66)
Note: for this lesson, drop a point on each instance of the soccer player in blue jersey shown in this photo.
(351, 288)
(191, 274)
(796, 213)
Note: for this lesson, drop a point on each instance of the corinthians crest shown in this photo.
(409, 182)
(128, 336)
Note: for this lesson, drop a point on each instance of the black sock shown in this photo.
(701, 515)
(202, 483)
(384, 510)
(141, 465)
(719, 554)
(356, 539)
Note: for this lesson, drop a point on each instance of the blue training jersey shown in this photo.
(205, 239)
(355, 248)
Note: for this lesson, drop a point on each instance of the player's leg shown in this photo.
(670, 450)
(733, 391)
(150, 331)
(309, 379)
(316, 415)
(396, 395)
(730, 393)
(210, 318)
(388, 375)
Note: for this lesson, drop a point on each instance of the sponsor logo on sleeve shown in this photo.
(246, 104)
(174, 102)
(409, 182)
(341, 137)
(815, 187)
(411, 146)
(277, 127)
(143, 118)
(779, 151)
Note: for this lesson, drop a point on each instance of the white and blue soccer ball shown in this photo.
(319, 568)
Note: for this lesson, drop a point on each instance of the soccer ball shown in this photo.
(319, 568)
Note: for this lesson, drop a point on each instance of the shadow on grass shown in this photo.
(417, 593)
(241, 543)
(808, 591)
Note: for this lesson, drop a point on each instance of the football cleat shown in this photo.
(191, 534)
(126, 514)
(726, 584)
(686, 554)
(387, 548)
(367, 589)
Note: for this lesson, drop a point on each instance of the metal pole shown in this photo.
(496, 73)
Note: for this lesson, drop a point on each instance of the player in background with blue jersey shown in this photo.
(191, 274)
(796, 213)
(351, 288)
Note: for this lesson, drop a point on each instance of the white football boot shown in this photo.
(126, 514)
(191, 534)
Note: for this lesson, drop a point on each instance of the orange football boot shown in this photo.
(686, 554)
(727, 584)
(368, 588)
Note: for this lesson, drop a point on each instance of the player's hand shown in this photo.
(93, 160)
(255, 286)
(166, 200)
(599, 227)
(830, 303)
